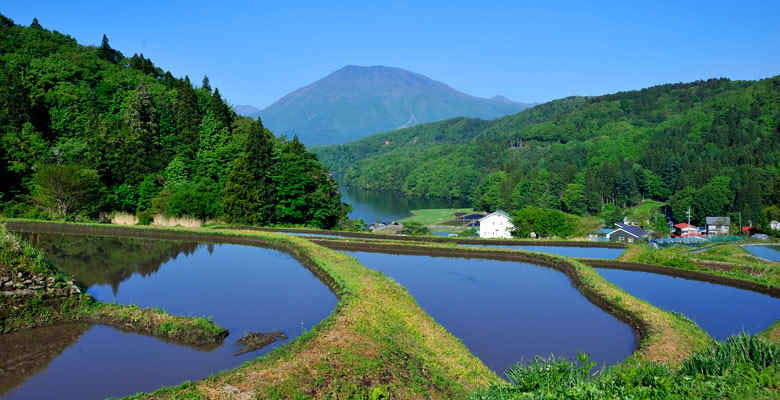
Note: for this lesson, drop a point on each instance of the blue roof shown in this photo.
(634, 230)
(605, 230)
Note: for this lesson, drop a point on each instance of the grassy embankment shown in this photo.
(36, 293)
(729, 260)
(744, 367)
(377, 344)
(675, 360)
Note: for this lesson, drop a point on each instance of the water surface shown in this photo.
(770, 252)
(374, 206)
(566, 251)
(245, 289)
(720, 310)
(507, 312)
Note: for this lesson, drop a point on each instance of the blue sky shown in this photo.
(256, 51)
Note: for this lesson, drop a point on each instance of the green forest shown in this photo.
(87, 131)
(710, 145)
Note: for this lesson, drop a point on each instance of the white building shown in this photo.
(496, 225)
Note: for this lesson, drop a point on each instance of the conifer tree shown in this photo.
(220, 109)
(35, 23)
(249, 192)
(187, 116)
(105, 51)
(206, 85)
(141, 143)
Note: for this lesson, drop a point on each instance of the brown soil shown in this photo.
(257, 340)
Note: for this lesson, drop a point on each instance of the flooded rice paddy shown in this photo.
(720, 310)
(244, 289)
(566, 251)
(507, 312)
(769, 252)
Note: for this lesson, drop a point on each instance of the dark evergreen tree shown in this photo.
(187, 117)
(249, 192)
(35, 23)
(219, 109)
(6, 22)
(206, 85)
(141, 144)
(105, 51)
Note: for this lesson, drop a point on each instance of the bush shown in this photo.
(145, 217)
(414, 229)
(65, 191)
(545, 222)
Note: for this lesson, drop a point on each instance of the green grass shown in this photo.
(743, 367)
(645, 211)
(434, 215)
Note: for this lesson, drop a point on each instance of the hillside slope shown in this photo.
(354, 102)
(714, 145)
(85, 130)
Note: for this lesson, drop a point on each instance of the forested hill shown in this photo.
(355, 102)
(713, 145)
(86, 130)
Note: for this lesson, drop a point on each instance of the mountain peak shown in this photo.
(356, 101)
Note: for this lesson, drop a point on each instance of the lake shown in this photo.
(243, 288)
(374, 206)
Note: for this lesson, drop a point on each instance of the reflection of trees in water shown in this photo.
(28, 352)
(106, 260)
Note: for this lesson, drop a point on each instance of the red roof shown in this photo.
(687, 235)
(683, 225)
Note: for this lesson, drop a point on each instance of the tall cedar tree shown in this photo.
(249, 192)
(142, 142)
(187, 118)
(219, 108)
(206, 85)
(105, 51)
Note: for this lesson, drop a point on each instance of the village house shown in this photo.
(496, 225)
(683, 230)
(718, 226)
(626, 233)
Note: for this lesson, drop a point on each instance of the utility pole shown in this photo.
(740, 223)
(689, 215)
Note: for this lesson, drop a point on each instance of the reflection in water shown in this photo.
(105, 260)
(26, 353)
(720, 310)
(507, 312)
(566, 251)
(374, 206)
(243, 288)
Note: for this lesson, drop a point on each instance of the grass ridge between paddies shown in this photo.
(35, 293)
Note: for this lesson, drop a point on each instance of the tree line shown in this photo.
(710, 145)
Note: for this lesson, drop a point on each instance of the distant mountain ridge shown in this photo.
(247, 110)
(355, 102)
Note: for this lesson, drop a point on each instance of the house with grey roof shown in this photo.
(496, 225)
(626, 233)
(717, 226)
